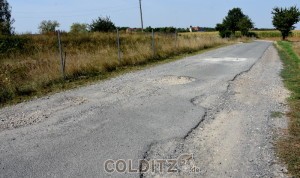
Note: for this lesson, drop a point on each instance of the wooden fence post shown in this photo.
(62, 56)
(118, 43)
(153, 42)
(176, 39)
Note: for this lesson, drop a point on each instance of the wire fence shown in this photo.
(135, 46)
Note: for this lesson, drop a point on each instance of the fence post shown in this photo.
(62, 57)
(118, 42)
(176, 39)
(153, 43)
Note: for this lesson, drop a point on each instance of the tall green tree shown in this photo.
(102, 24)
(235, 20)
(232, 19)
(48, 26)
(284, 19)
(244, 25)
(5, 18)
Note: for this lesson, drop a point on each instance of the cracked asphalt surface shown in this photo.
(216, 106)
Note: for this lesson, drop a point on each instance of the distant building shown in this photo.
(130, 30)
(195, 29)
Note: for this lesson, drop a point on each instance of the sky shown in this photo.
(156, 13)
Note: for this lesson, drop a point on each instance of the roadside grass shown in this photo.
(35, 69)
(289, 146)
(296, 47)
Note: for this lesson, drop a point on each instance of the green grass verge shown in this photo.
(289, 146)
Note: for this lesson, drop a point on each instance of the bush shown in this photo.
(13, 44)
(251, 34)
(102, 25)
(225, 33)
(5, 95)
(78, 28)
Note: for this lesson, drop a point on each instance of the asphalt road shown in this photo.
(144, 114)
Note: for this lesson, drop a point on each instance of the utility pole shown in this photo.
(141, 16)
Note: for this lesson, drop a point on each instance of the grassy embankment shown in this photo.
(32, 66)
(289, 147)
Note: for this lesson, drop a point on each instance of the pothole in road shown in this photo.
(175, 80)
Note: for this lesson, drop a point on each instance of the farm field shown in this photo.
(275, 35)
(272, 35)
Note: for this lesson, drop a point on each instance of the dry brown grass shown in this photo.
(297, 47)
(27, 74)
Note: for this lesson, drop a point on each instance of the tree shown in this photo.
(232, 19)
(79, 28)
(235, 20)
(244, 25)
(102, 24)
(5, 18)
(284, 19)
(48, 26)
